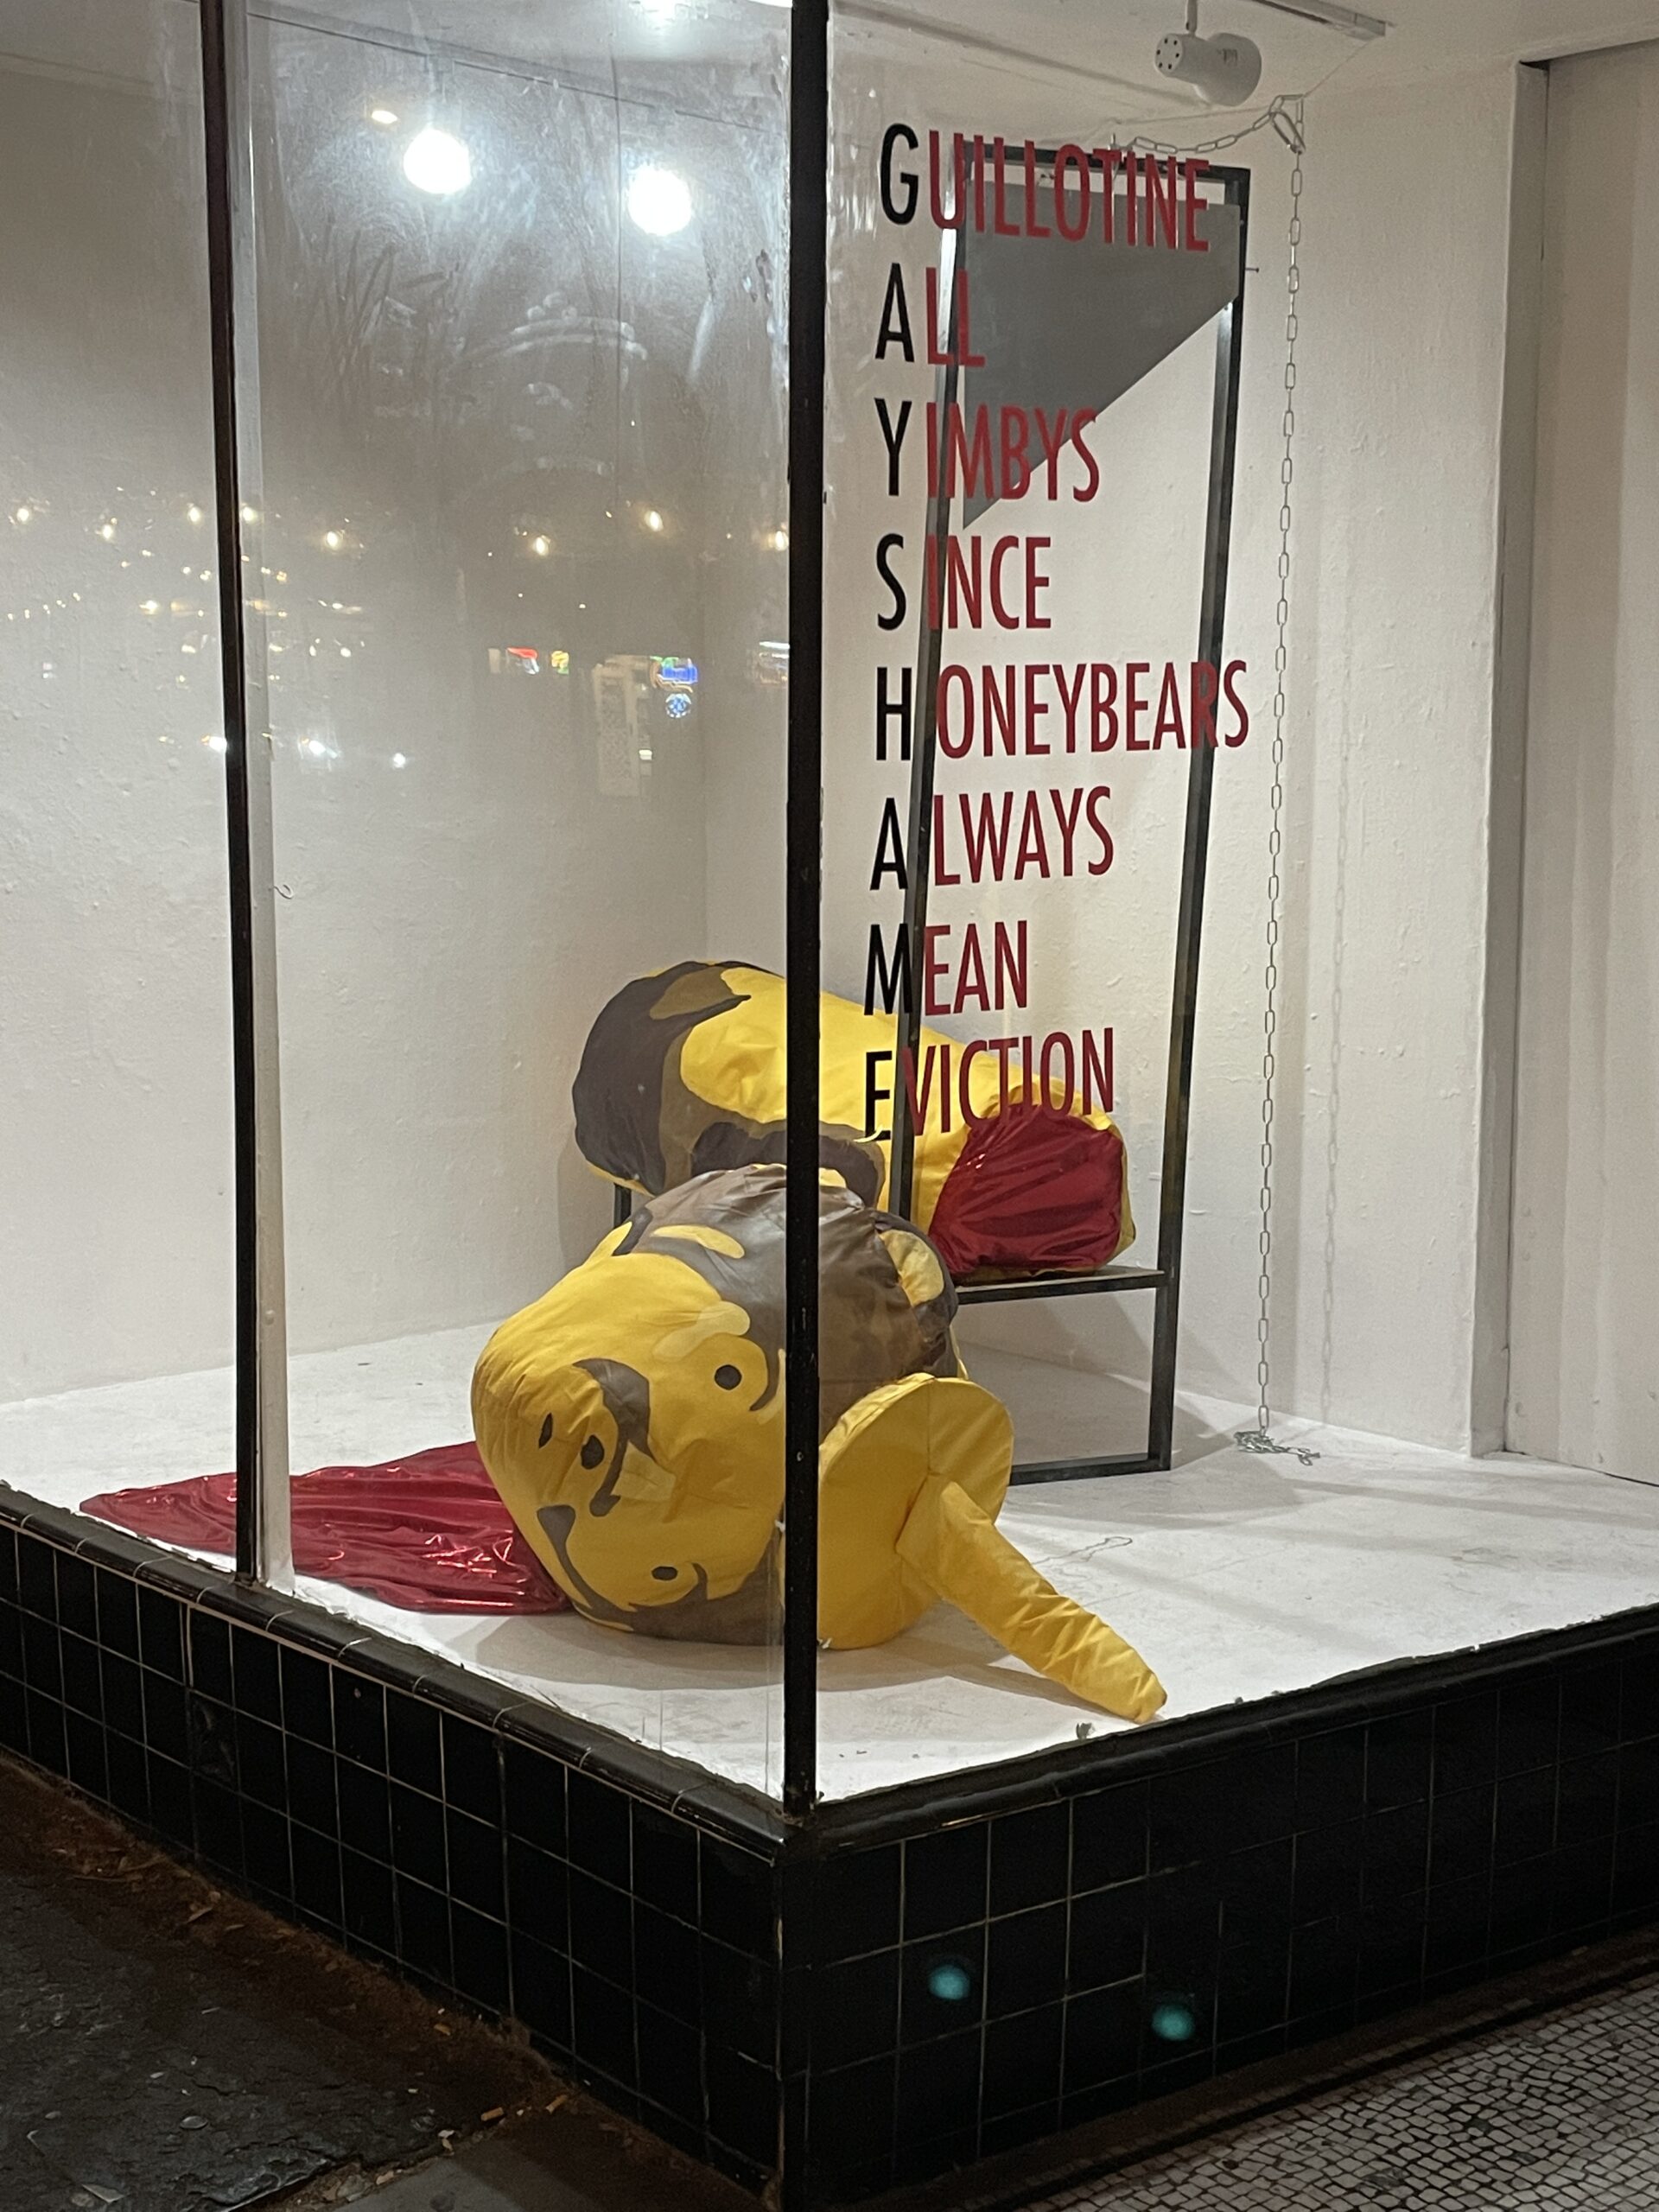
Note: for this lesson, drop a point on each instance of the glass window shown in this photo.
(522, 560)
(1031, 389)
(116, 1305)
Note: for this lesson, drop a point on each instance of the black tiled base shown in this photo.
(1212, 1894)
(924, 1978)
(472, 1842)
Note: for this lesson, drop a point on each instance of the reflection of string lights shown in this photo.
(779, 540)
(198, 641)
(541, 547)
(400, 759)
(653, 520)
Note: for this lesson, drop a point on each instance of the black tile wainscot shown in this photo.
(917, 1979)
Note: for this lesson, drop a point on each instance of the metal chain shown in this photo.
(1282, 115)
(1260, 1438)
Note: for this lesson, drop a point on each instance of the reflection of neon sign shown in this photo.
(670, 674)
(678, 704)
(769, 662)
(527, 660)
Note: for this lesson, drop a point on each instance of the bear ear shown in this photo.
(918, 1266)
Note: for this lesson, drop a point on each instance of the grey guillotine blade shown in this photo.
(1075, 325)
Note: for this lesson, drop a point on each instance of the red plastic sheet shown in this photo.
(1034, 1190)
(428, 1533)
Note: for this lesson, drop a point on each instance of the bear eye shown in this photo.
(729, 1376)
(546, 1436)
(592, 1452)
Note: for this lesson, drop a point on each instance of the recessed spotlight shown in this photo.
(23, 514)
(541, 547)
(652, 519)
(779, 540)
(333, 540)
(659, 201)
(436, 162)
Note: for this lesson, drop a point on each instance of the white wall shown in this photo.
(115, 1104)
(1585, 1371)
(1404, 405)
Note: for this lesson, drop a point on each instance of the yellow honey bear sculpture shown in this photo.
(633, 1421)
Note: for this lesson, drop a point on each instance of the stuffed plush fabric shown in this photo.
(683, 1072)
(633, 1421)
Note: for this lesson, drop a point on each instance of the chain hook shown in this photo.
(1285, 114)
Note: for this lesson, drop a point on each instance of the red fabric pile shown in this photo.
(1033, 1189)
(429, 1532)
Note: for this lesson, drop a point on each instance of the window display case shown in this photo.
(751, 1282)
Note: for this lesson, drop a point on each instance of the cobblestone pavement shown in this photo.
(1554, 2114)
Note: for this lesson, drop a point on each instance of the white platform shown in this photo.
(1239, 1577)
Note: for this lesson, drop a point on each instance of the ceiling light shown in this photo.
(436, 162)
(1224, 70)
(659, 201)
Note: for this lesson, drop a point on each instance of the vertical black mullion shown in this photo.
(261, 1522)
(1172, 1198)
(809, 212)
